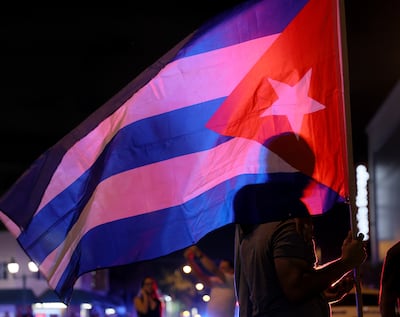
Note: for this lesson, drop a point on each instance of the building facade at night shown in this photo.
(26, 293)
(384, 168)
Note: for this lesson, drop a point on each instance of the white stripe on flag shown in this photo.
(187, 174)
(164, 93)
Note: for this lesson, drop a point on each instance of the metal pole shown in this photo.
(350, 163)
(24, 301)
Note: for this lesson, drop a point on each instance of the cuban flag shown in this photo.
(157, 167)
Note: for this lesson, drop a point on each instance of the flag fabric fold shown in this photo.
(157, 167)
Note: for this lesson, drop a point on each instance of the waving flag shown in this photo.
(156, 168)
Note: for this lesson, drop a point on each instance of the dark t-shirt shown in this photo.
(258, 280)
(156, 312)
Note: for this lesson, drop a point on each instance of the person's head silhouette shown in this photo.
(280, 196)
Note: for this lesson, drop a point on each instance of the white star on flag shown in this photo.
(293, 102)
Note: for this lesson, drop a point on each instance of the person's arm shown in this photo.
(193, 253)
(210, 265)
(299, 282)
(337, 291)
(141, 303)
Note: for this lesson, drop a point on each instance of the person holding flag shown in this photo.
(218, 277)
(278, 276)
(276, 269)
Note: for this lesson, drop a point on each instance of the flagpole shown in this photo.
(350, 162)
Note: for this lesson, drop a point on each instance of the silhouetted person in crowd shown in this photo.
(389, 293)
(276, 269)
(219, 278)
(147, 303)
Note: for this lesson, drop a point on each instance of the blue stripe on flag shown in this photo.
(133, 233)
(144, 142)
(190, 221)
(249, 21)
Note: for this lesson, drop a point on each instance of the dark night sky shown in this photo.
(58, 65)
